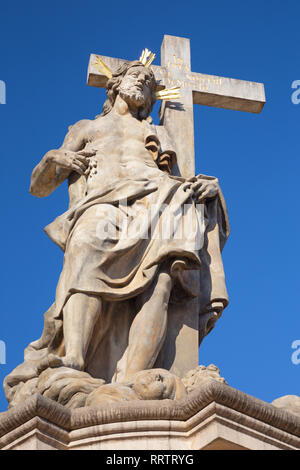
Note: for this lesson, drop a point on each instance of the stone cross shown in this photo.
(177, 118)
(195, 88)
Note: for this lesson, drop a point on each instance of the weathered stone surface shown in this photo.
(196, 377)
(290, 403)
(213, 416)
(76, 389)
(67, 386)
(153, 384)
(136, 275)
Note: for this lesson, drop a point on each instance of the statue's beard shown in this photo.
(133, 97)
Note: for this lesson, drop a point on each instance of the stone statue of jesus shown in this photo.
(110, 313)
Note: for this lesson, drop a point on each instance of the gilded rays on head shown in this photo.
(172, 93)
(146, 59)
(102, 67)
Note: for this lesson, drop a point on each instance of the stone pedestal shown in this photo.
(214, 416)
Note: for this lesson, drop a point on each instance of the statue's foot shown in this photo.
(49, 361)
(73, 362)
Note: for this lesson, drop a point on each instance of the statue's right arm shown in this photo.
(56, 165)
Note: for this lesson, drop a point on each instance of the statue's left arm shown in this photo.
(206, 189)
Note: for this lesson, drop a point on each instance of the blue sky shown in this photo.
(44, 52)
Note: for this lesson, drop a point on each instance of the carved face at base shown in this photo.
(137, 86)
(157, 384)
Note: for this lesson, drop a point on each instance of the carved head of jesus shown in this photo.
(136, 85)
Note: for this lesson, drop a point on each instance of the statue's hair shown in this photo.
(112, 89)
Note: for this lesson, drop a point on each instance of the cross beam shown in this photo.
(195, 88)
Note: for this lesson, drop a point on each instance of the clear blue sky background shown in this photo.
(44, 52)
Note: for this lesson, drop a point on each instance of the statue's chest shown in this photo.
(116, 130)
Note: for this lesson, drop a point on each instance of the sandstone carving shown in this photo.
(290, 403)
(196, 377)
(142, 256)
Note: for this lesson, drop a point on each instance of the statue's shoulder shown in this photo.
(80, 125)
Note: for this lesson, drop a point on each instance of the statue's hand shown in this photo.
(76, 161)
(205, 189)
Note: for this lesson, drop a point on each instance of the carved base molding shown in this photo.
(214, 416)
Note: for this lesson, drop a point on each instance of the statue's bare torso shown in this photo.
(118, 147)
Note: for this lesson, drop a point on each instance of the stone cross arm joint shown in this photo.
(195, 88)
(209, 90)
